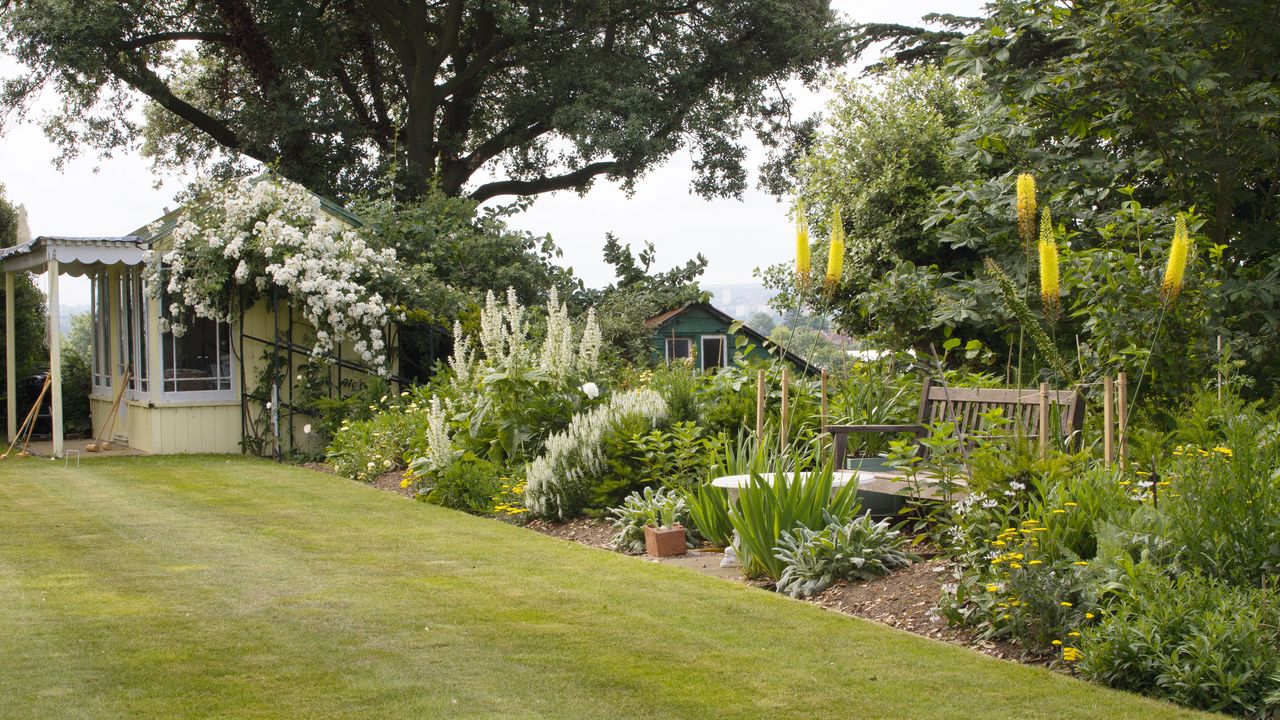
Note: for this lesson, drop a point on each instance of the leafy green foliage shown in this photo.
(553, 95)
(638, 294)
(469, 484)
(1192, 640)
(883, 150)
(30, 320)
(856, 549)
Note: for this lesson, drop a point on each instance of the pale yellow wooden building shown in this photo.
(201, 392)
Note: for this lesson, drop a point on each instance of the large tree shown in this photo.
(30, 317)
(478, 97)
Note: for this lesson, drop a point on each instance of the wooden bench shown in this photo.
(1030, 410)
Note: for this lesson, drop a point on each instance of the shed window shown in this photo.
(679, 348)
(199, 360)
(713, 352)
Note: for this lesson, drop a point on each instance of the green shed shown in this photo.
(707, 335)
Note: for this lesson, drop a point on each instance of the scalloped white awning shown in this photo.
(75, 255)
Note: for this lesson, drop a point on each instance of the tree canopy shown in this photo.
(30, 316)
(473, 97)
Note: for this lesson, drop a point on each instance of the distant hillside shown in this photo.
(741, 300)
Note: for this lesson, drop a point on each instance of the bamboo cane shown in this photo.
(29, 423)
(1044, 419)
(782, 429)
(1108, 420)
(1122, 407)
(109, 422)
(759, 406)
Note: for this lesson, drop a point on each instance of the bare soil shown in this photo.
(588, 531)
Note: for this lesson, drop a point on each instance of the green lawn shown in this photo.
(227, 587)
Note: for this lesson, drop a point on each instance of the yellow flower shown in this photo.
(1081, 563)
(993, 588)
(1050, 287)
(1223, 450)
(1073, 633)
(1056, 642)
(1175, 270)
(1015, 566)
(1064, 603)
(802, 246)
(1027, 208)
(1071, 504)
(835, 254)
(1070, 654)
(1035, 562)
(1089, 616)
(1058, 511)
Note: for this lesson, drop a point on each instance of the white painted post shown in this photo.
(55, 359)
(10, 357)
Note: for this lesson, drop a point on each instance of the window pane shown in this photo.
(712, 352)
(679, 348)
(200, 360)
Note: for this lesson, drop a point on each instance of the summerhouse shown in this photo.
(219, 387)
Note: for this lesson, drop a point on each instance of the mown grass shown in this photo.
(230, 587)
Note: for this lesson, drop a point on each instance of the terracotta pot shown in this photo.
(664, 541)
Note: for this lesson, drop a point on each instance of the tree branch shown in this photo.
(575, 179)
(145, 40)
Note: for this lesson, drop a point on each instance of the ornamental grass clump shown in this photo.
(769, 507)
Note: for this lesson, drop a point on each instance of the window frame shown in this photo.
(671, 341)
(170, 341)
(702, 351)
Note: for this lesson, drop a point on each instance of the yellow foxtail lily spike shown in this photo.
(1179, 252)
(1027, 209)
(835, 254)
(803, 265)
(1050, 285)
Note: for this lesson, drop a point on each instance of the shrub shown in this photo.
(1191, 639)
(561, 482)
(638, 457)
(660, 508)
(468, 484)
(858, 549)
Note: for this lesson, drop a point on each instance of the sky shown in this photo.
(113, 196)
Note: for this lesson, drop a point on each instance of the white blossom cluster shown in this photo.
(504, 341)
(273, 234)
(440, 453)
(560, 479)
